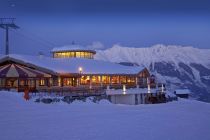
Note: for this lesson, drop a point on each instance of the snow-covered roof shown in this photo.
(182, 91)
(170, 94)
(72, 47)
(71, 65)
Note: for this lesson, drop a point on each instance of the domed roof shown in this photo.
(72, 47)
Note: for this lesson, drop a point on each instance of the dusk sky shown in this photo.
(45, 24)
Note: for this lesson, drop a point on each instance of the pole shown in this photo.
(7, 41)
(6, 24)
(148, 85)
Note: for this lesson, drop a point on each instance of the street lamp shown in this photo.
(124, 89)
(80, 72)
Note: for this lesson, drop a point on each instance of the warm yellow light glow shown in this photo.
(124, 88)
(69, 54)
(42, 82)
(80, 69)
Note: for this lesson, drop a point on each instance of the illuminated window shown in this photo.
(86, 55)
(69, 54)
(82, 54)
(67, 81)
(77, 54)
(90, 55)
(72, 54)
(85, 80)
(21, 82)
(105, 79)
(95, 79)
(115, 79)
(123, 79)
(131, 80)
(42, 82)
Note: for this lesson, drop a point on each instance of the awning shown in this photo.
(16, 70)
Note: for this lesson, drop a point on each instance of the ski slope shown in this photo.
(26, 120)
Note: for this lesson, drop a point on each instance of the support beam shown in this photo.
(90, 82)
(101, 82)
(110, 81)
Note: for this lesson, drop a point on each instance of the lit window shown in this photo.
(21, 82)
(123, 79)
(106, 79)
(42, 82)
(82, 54)
(115, 79)
(77, 54)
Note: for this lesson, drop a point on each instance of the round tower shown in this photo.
(73, 51)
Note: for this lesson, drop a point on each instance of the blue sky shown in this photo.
(50, 23)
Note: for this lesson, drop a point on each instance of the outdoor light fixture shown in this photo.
(148, 88)
(124, 89)
(162, 88)
(80, 70)
(148, 85)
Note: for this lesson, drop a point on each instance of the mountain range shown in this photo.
(179, 67)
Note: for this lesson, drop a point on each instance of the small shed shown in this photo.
(182, 93)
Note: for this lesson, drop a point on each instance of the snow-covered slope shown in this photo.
(26, 120)
(180, 67)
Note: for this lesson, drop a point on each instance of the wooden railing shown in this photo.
(73, 90)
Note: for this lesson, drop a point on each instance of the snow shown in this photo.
(170, 94)
(96, 45)
(182, 91)
(178, 120)
(69, 47)
(159, 52)
(206, 77)
(172, 55)
(71, 65)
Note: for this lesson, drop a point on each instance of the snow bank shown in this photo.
(11, 97)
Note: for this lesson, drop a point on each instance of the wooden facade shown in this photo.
(40, 79)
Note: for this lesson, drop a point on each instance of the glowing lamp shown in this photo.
(80, 70)
(162, 88)
(124, 89)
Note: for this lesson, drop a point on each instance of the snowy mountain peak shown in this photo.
(159, 52)
(178, 66)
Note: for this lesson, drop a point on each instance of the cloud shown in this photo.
(96, 45)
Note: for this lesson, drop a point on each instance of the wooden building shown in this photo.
(51, 74)
(182, 93)
(75, 51)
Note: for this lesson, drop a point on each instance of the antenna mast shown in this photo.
(7, 23)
